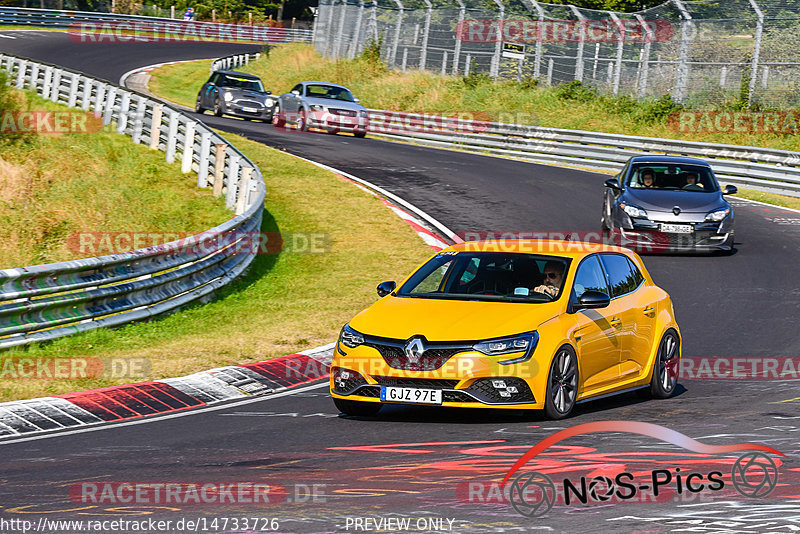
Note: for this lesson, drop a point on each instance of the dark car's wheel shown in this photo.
(198, 105)
(562, 384)
(302, 125)
(217, 107)
(665, 368)
(277, 118)
(357, 408)
(360, 133)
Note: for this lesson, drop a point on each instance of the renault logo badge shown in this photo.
(676, 210)
(414, 349)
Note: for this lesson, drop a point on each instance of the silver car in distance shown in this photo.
(327, 106)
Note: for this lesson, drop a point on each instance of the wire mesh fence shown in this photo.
(702, 53)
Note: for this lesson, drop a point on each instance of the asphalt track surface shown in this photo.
(416, 463)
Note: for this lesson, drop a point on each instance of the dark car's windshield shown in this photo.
(329, 91)
(672, 177)
(496, 276)
(241, 83)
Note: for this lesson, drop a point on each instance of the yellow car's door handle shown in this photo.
(649, 311)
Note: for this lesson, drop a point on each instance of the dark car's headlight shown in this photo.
(717, 215)
(227, 95)
(350, 338)
(633, 211)
(268, 102)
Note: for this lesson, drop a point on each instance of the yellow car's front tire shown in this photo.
(357, 408)
(562, 384)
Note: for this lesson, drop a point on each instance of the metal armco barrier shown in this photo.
(777, 171)
(43, 302)
(232, 62)
(115, 26)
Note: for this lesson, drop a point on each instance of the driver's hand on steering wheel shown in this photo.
(547, 290)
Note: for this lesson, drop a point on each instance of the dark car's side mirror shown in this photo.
(384, 288)
(269, 92)
(730, 190)
(356, 100)
(594, 299)
(613, 183)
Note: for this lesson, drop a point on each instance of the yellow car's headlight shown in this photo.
(350, 338)
(506, 345)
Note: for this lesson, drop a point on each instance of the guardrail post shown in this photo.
(243, 190)
(645, 61)
(233, 181)
(124, 109)
(494, 69)
(108, 111)
(756, 54)
(396, 40)
(462, 9)
(205, 155)
(35, 77)
(405, 59)
(73, 89)
(86, 95)
(23, 66)
(581, 43)
(687, 30)
(620, 48)
(444, 63)
(219, 168)
(48, 81)
(188, 148)
(550, 71)
(351, 53)
(138, 119)
(537, 61)
(56, 87)
(172, 136)
(423, 54)
(99, 98)
(155, 126)
(467, 64)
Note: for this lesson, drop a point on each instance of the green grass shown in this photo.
(285, 303)
(55, 187)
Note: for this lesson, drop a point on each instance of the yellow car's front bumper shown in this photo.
(466, 379)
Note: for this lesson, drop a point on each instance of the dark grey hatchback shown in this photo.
(229, 92)
(668, 203)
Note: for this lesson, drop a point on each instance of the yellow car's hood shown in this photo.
(451, 320)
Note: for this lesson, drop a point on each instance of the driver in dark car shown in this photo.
(553, 274)
(691, 179)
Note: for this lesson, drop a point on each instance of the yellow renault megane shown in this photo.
(510, 324)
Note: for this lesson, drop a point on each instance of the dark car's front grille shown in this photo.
(496, 390)
(430, 360)
(429, 383)
(343, 112)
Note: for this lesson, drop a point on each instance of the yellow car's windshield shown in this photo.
(512, 277)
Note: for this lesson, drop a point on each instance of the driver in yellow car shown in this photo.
(553, 275)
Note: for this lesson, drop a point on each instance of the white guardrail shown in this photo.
(87, 26)
(772, 170)
(43, 302)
